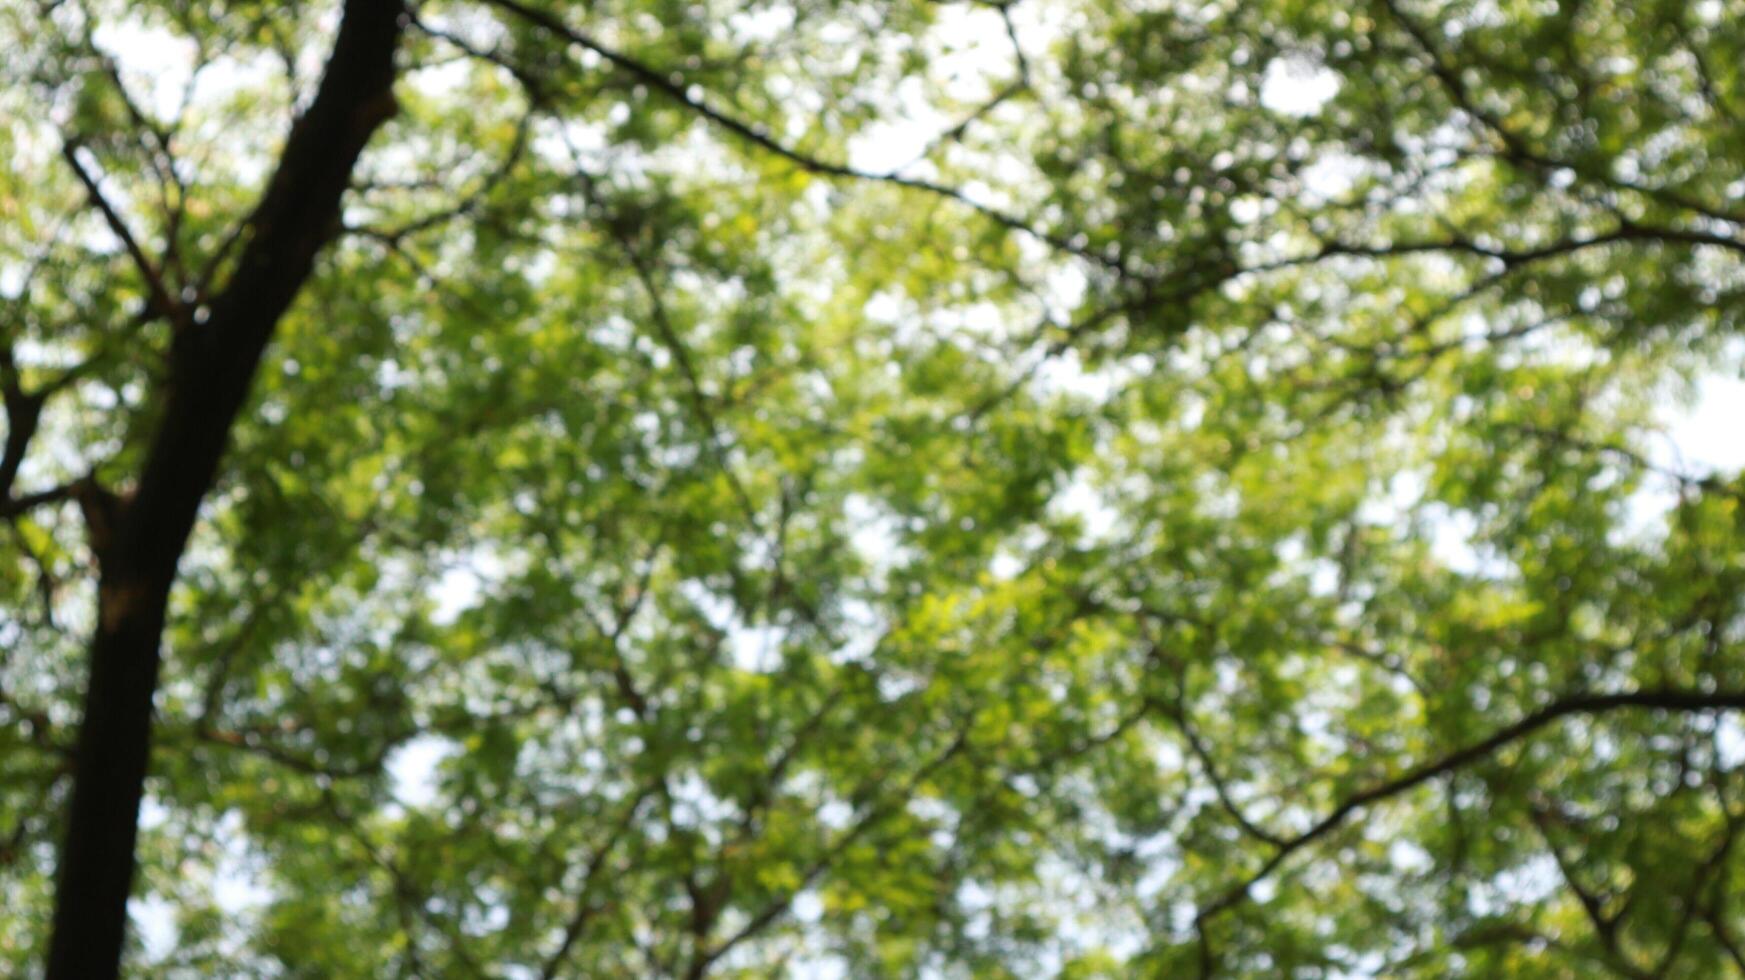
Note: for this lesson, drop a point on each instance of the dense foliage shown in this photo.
(1045, 488)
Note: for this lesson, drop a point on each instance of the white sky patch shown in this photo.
(1409, 857)
(876, 533)
(156, 63)
(1005, 565)
(152, 814)
(464, 583)
(696, 806)
(235, 887)
(866, 625)
(155, 919)
(1081, 499)
(972, 57)
(1264, 891)
(1066, 374)
(1332, 175)
(1730, 741)
(1297, 86)
(752, 647)
(1702, 437)
(808, 907)
(1531, 882)
(763, 25)
(888, 147)
(412, 768)
(443, 80)
(1709, 437)
(1451, 541)
(1065, 290)
(154, 916)
(455, 592)
(835, 814)
(885, 306)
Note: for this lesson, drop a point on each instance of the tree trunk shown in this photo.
(139, 539)
(96, 870)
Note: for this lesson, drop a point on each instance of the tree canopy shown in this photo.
(1082, 488)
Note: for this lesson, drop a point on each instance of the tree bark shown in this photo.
(139, 538)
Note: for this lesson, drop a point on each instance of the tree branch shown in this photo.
(1588, 704)
(679, 91)
(160, 302)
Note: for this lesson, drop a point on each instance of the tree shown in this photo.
(1200, 513)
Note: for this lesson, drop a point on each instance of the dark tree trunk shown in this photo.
(96, 871)
(138, 539)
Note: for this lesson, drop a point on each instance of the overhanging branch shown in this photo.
(680, 92)
(1589, 705)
